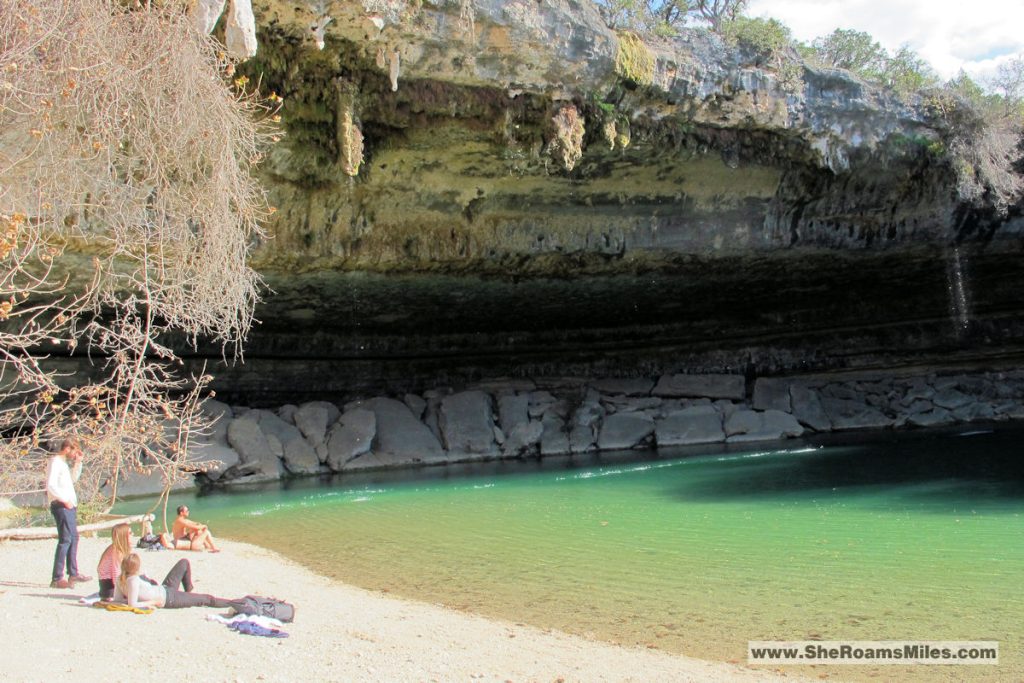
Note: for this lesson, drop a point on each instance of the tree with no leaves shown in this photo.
(127, 211)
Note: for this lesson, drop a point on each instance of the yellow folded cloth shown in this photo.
(119, 607)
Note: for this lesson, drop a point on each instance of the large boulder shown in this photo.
(219, 414)
(297, 453)
(401, 438)
(640, 386)
(524, 439)
(258, 462)
(732, 387)
(772, 393)
(147, 481)
(466, 424)
(807, 407)
(513, 411)
(694, 425)
(625, 430)
(585, 420)
(553, 439)
(769, 425)
(212, 459)
(314, 418)
(351, 437)
(854, 414)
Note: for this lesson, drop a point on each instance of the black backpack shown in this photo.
(265, 607)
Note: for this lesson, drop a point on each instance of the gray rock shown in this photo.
(553, 440)
(466, 423)
(624, 430)
(416, 404)
(350, 437)
(246, 437)
(524, 439)
(725, 408)
(221, 414)
(287, 412)
(743, 421)
(513, 411)
(770, 425)
(772, 393)
(846, 414)
(314, 418)
(505, 385)
(213, 459)
(698, 424)
(275, 446)
(583, 438)
(640, 386)
(807, 407)
(918, 407)
(626, 404)
(431, 418)
(781, 423)
(709, 386)
(298, 454)
(148, 482)
(974, 412)
(1013, 410)
(845, 391)
(401, 438)
(951, 399)
(932, 418)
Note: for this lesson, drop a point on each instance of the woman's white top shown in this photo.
(140, 591)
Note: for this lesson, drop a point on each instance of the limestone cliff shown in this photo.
(484, 187)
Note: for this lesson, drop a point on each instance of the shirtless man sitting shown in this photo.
(189, 535)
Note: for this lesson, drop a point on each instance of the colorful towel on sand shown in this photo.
(119, 607)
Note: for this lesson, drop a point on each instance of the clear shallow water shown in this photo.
(899, 537)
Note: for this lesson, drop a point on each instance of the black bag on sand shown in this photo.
(265, 607)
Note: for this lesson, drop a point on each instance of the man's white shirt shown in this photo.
(60, 483)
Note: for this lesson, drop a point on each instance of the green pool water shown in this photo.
(894, 537)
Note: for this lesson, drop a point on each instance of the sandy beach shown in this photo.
(340, 633)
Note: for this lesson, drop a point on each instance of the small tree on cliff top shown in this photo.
(127, 210)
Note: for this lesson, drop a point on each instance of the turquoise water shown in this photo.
(909, 536)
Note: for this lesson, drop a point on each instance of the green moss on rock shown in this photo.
(634, 61)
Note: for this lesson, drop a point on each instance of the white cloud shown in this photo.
(950, 34)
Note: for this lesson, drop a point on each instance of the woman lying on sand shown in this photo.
(136, 591)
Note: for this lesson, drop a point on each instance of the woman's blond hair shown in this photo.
(120, 538)
(130, 566)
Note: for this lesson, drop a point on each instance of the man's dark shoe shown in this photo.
(60, 583)
(79, 578)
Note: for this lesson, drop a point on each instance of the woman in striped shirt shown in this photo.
(109, 567)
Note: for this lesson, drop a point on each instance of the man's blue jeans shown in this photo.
(67, 540)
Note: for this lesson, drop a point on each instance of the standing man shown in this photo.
(63, 471)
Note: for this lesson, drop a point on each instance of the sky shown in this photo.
(950, 34)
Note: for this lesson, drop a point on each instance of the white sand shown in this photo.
(340, 633)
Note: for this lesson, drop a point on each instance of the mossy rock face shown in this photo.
(634, 62)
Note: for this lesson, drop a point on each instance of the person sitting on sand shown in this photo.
(151, 540)
(136, 591)
(189, 535)
(109, 567)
